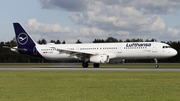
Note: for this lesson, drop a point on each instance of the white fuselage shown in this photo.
(127, 50)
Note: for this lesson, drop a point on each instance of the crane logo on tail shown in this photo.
(22, 38)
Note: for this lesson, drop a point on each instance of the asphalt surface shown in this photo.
(84, 69)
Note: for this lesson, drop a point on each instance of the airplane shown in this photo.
(96, 53)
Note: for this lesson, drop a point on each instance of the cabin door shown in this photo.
(154, 48)
(119, 49)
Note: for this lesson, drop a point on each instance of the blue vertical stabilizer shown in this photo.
(22, 37)
(25, 42)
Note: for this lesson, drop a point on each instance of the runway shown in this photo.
(85, 69)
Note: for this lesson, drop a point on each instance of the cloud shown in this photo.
(69, 5)
(92, 32)
(127, 19)
(118, 18)
(123, 32)
(46, 28)
(170, 33)
(146, 6)
(48, 31)
(174, 32)
(113, 19)
(56, 31)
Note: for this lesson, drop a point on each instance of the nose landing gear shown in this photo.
(157, 66)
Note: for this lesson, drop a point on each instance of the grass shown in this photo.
(132, 65)
(89, 86)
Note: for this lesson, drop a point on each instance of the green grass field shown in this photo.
(89, 86)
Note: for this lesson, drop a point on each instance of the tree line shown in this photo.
(7, 56)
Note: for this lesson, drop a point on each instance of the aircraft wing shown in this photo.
(75, 53)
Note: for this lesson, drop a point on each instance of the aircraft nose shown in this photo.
(174, 52)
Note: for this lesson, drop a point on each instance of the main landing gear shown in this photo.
(85, 65)
(157, 66)
(96, 65)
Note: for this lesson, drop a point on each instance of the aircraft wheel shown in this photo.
(157, 66)
(96, 65)
(85, 65)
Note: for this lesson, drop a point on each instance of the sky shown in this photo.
(87, 20)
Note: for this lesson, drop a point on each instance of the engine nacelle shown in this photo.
(99, 59)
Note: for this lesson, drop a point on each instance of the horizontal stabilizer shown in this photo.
(15, 48)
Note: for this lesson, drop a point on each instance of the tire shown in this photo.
(96, 65)
(157, 66)
(85, 65)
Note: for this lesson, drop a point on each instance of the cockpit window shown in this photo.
(166, 46)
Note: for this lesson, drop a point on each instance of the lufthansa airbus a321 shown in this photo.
(97, 53)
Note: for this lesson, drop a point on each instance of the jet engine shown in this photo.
(99, 59)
